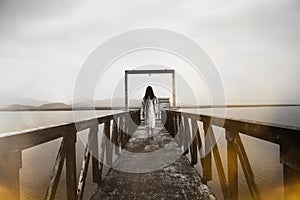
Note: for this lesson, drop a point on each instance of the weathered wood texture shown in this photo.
(56, 172)
(288, 138)
(178, 180)
(12, 144)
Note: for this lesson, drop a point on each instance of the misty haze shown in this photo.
(149, 99)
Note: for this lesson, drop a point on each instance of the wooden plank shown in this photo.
(25, 140)
(175, 125)
(56, 173)
(115, 137)
(290, 159)
(219, 165)
(176, 129)
(180, 132)
(275, 133)
(199, 144)
(232, 163)
(93, 148)
(173, 131)
(291, 183)
(168, 121)
(128, 132)
(289, 155)
(134, 121)
(186, 135)
(121, 130)
(150, 71)
(246, 168)
(10, 164)
(126, 129)
(102, 151)
(194, 154)
(207, 169)
(83, 173)
(70, 150)
(118, 135)
(15, 142)
(108, 145)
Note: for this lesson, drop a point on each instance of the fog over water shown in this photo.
(253, 44)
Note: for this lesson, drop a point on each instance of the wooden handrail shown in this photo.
(12, 145)
(287, 137)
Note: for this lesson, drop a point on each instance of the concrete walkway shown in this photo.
(152, 169)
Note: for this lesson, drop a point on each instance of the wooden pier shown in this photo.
(177, 180)
(182, 134)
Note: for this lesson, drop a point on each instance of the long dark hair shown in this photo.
(149, 93)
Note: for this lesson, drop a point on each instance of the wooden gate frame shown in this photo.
(163, 71)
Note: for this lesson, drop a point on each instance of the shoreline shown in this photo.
(124, 108)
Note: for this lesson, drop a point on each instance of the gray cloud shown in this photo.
(254, 44)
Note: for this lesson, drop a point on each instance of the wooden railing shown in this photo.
(189, 138)
(11, 147)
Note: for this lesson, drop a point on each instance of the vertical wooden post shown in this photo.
(207, 168)
(186, 135)
(199, 143)
(180, 131)
(129, 125)
(138, 118)
(126, 128)
(70, 150)
(83, 173)
(194, 155)
(93, 147)
(131, 120)
(291, 183)
(168, 121)
(57, 169)
(163, 118)
(118, 139)
(126, 89)
(115, 136)
(172, 125)
(290, 159)
(176, 128)
(102, 151)
(173, 89)
(108, 146)
(121, 131)
(232, 166)
(10, 164)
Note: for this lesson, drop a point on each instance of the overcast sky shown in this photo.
(254, 44)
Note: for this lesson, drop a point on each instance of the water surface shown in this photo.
(264, 156)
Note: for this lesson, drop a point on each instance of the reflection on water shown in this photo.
(264, 156)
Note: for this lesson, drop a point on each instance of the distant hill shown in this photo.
(56, 105)
(18, 107)
(117, 103)
(8, 99)
(48, 106)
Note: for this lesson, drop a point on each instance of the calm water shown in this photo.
(264, 156)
